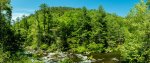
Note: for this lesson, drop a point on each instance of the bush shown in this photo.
(66, 60)
(93, 47)
(44, 46)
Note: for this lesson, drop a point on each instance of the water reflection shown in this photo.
(106, 57)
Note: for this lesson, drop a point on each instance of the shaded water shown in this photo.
(106, 57)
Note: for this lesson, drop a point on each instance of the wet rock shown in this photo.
(100, 59)
(86, 61)
(114, 59)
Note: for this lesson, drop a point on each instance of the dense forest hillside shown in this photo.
(74, 30)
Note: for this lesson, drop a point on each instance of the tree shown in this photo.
(38, 33)
(148, 3)
(136, 35)
(44, 10)
(103, 26)
(86, 27)
(5, 6)
(5, 21)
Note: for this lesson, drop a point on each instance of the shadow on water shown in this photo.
(106, 57)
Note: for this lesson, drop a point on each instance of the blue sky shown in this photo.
(120, 7)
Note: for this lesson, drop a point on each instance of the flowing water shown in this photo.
(81, 58)
(55, 57)
(106, 57)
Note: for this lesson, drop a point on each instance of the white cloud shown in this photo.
(15, 15)
(23, 10)
(19, 12)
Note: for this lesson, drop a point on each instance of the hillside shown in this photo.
(85, 34)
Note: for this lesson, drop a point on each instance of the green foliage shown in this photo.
(93, 47)
(66, 60)
(134, 48)
(81, 30)
(76, 30)
(81, 49)
(44, 46)
(4, 56)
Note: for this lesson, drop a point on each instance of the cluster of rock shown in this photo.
(77, 58)
(56, 57)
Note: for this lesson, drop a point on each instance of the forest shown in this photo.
(75, 35)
